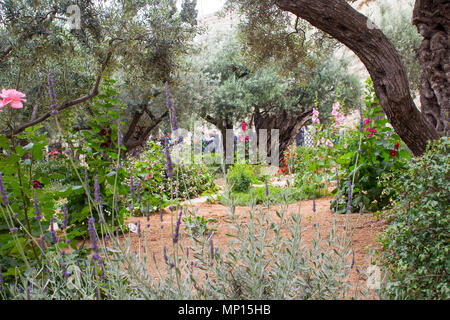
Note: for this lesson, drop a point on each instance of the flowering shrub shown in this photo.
(415, 246)
(379, 151)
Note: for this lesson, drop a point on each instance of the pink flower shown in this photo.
(336, 106)
(322, 140)
(366, 122)
(244, 126)
(329, 144)
(14, 97)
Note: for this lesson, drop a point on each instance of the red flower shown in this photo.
(397, 145)
(393, 153)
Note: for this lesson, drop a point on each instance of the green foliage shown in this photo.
(312, 169)
(257, 195)
(379, 152)
(240, 177)
(26, 200)
(415, 246)
(198, 226)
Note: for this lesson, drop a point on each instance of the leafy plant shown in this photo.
(240, 177)
(415, 246)
(380, 151)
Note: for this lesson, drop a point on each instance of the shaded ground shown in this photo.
(367, 227)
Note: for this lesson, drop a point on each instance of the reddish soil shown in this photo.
(366, 228)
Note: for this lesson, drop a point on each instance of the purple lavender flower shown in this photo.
(131, 187)
(93, 238)
(176, 236)
(14, 230)
(267, 188)
(1, 276)
(139, 229)
(37, 212)
(97, 195)
(361, 121)
(51, 90)
(42, 243)
(337, 178)
(169, 164)
(3, 191)
(166, 259)
(148, 211)
(65, 221)
(350, 195)
(53, 232)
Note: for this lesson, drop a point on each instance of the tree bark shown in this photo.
(289, 127)
(431, 17)
(345, 24)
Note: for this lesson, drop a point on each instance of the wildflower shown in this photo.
(315, 117)
(37, 184)
(350, 195)
(329, 144)
(3, 191)
(66, 218)
(397, 145)
(169, 165)
(244, 126)
(337, 178)
(360, 118)
(176, 236)
(93, 238)
(53, 232)
(14, 230)
(393, 153)
(42, 243)
(13, 97)
(139, 229)
(37, 212)
(267, 188)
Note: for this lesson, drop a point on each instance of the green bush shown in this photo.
(240, 177)
(258, 196)
(415, 247)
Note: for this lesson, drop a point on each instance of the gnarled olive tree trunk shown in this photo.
(345, 24)
(288, 124)
(431, 17)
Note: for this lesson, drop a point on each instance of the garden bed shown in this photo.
(366, 228)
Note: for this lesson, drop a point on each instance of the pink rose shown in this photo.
(13, 97)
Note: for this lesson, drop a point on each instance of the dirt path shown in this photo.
(367, 227)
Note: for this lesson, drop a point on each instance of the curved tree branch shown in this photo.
(345, 24)
(93, 93)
